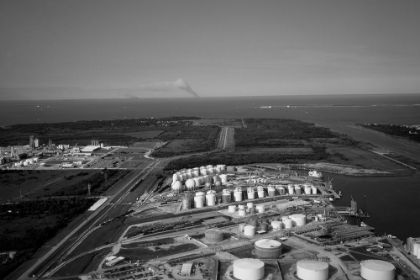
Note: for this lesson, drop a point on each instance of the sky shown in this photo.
(176, 48)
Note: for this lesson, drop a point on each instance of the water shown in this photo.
(391, 202)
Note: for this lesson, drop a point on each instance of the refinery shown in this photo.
(261, 221)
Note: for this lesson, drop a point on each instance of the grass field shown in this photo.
(296, 151)
(85, 264)
(218, 122)
(148, 253)
(182, 145)
(145, 134)
(364, 158)
(144, 144)
(38, 183)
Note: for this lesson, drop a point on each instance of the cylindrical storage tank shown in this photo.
(261, 193)
(267, 249)
(241, 227)
(264, 226)
(200, 194)
(313, 270)
(221, 167)
(210, 170)
(177, 186)
(308, 190)
(261, 208)
(211, 192)
(196, 181)
(241, 207)
(416, 248)
(174, 178)
(196, 172)
(203, 172)
(249, 230)
(250, 205)
(214, 236)
(281, 190)
(186, 202)
(271, 191)
(207, 185)
(250, 193)
(314, 190)
(288, 223)
(377, 269)
(218, 185)
(299, 219)
(298, 190)
(276, 225)
(231, 168)
(283, 218)
(190, 184)
(207, 179)
(237, 195)
(199, 201)
(215, 178)
(232, 208)
(226, 198)
(248, 269)
(291, 189)
(242, 212)
(210, 200)
(223, 178)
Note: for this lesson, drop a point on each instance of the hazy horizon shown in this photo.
(132, 49)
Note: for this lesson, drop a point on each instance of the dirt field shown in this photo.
(145, 134)
(145, 144)
(365, 159)
(38, 183)
(276, 150)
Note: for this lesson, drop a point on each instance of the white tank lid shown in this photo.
(268, 243)
(312, 265)
(377, 265)
(249, 264)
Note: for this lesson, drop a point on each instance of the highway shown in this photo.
(93, 219)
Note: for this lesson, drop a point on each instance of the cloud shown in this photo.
(170, 86)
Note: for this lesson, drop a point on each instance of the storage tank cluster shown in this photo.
(312, 270)
(267, 249)
(377, 270)
(248, 269)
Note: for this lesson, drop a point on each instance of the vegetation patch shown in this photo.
(405, 131)
(145, 134)
(146, 254)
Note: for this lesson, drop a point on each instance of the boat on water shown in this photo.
(315, 174)
(363, 224)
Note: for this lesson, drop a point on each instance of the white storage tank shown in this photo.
(176, 186)
(210, 200)
(377, 270)
(249, 230)
(241, 227)
(207, 185)
(237, 195)
(299, 219)
(223, 178)
(199, 201)
(241, 207)
(298, 190)
(203, 172)
(221, 167)
(250, 205)
(248, 269)
(276, 225)
(312, 270)
(308, 189)
(242, 212)
(314, 190)
(232, 208)
(261, 192)
(281, 190)
(210, 170)
(215, 178)
(261, 208)
(291, 189)
(250, 193)
(196, 181)
(288, 223)
(174, 178)
(190, 184)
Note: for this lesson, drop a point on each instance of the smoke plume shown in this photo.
(182, 84)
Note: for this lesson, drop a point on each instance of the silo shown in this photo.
(231, 169)
(249, 230)
(177, 186)
(299, 219)
(174, 178)
(298, 190)
(250, 205)
(314, 190)
(288, 223)
(223, 178)
(199, 201)
(283, 218)
(210, 200)
(232, 208)
(267, 249)
(308, 189)
(377, 269)
(271, 191)
(291, 189)
(200, 194)
(261, 208)
(313, 270)
(214, 236)
(248, 269)
(251, 193)
(276, 225)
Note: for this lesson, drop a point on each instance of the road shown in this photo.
(93, 218)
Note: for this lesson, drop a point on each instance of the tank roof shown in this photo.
(377, 265)
(268, 243)
(312, 265)
(248, 263)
